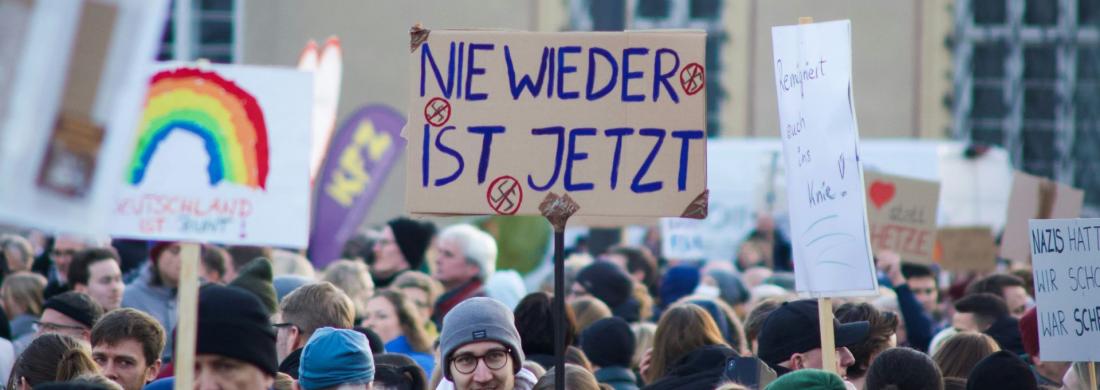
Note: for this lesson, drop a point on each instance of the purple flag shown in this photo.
(359, 158)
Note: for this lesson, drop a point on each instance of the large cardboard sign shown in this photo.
(1039, 198)
(72, 79)
(498, 121)
(359, 159)
(967, 248)
(1065, 255)
(901, 212)
(813, 74)
(221, 155)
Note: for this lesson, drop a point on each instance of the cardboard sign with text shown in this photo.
(969, 248)
(221, 155)
(829, 236)
(1038, 198)
(1066, 259)
(901, 212)
(500, 120)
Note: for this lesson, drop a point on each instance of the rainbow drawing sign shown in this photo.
(221, 155)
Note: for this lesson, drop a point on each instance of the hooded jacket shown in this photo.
(703, 368)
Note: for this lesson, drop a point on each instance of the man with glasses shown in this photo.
(71, 313)
(302, 312)
(64, 247)
(481, 347)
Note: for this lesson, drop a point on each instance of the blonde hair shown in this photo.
(644, 334)
(588, 310)
(20, 244)
(408, 318)
(290, 263)
(421, 281)
(682, 329)
(24, 289)
(353, 278)
(52, 358)
(961, 352)
(576, 377)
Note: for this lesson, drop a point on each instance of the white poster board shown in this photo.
(813, 68)
(1066, 259)
(221, 155)
(96, 88)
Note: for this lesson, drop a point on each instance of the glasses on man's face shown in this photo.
(62, 252)
(283, 325)
(49, 327)
(466, 363)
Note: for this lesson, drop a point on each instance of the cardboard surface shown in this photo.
(81, 69)
(967, 248)
(500, 120)
(901, 213)
(1038, 198)
(221, 155)
(1066, 260)
(829, 235)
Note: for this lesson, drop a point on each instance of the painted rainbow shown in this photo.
(226, 118)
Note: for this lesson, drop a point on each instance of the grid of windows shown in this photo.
(1028, 79)
(611, 15)
(200, 29)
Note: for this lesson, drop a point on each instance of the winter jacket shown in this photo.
(156, 300)
(703, 368)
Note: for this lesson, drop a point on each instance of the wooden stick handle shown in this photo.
(187, 325)
(828, 344)
(1092, 374)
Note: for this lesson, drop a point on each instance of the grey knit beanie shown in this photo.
(479, 319)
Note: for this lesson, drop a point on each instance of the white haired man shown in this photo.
(465, 258)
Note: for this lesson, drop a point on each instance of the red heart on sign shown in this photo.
(881, 193)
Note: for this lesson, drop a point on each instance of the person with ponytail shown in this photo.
(51, 358)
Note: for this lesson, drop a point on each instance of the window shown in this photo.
(1032, 85)
(200, 29)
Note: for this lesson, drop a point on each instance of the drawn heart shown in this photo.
(881, 193)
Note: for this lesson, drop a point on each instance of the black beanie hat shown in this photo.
(608, 342)
(233, 323)
(1002, 371)
(78, 306)
(256, 277)
(607, 282)
(413, 237)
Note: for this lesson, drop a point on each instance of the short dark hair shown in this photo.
(995, 284)
(534, 321)
(639, 258)
(914, 270)
(83, 260)
(130, 324)
(78, 306)
(215, 259)
(904, 369)
(883, 325)
(754, 323)
(243, 254)
(986, 308)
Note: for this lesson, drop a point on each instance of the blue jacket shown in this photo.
(401, 345)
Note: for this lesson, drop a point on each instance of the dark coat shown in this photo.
(703, 368)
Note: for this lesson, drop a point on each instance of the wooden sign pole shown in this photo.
(187, 325)
(1092, 375)
(825, 305)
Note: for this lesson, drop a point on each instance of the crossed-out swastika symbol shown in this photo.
(438, 111)
(692, 78)
(505, 195)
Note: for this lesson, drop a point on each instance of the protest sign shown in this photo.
(682, 239)
(966, 248)
(1038, 198)
(221, 155)
(327, 66)
(829, 236)
(72, 79)
(1065, 256)
(500, 121)
(901, 213)
(359, 160)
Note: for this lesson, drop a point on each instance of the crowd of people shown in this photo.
(414, 307)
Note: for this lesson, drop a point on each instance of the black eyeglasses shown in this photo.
(50, 327)
(466, 363)
(284, 325)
